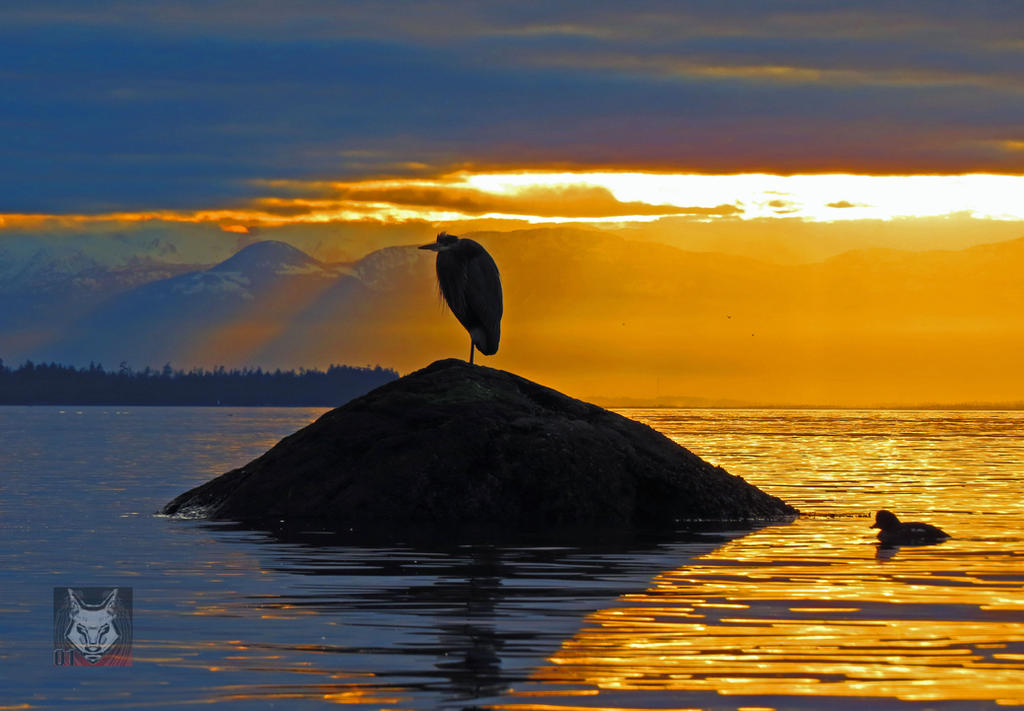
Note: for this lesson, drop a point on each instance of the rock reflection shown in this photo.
(402, 625)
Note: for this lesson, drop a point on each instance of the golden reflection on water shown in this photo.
(816, 608)
(813, 611)
(755, 617)
(837, 461)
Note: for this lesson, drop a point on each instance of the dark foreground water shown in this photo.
(809, 615)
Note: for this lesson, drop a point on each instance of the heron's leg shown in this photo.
(471, 351)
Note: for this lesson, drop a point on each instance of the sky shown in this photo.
(124, 107)
(785, 131)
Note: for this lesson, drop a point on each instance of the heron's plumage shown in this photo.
(471, 286)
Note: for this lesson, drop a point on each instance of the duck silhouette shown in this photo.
(892, 532)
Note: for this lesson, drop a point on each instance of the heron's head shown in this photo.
(444, 241)
(885, 520)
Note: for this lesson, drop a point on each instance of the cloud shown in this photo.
(1009, 146)
(570, 202)
(984, 21)
(188, 105)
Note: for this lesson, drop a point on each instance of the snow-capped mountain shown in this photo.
(244, 275)
(181, 317)
(378, 269)
(42, 261)
(270, 259)
(569, 298)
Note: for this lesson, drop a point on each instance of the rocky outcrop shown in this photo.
(457, 444)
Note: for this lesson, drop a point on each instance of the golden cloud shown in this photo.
(574, 202)
(609, 196)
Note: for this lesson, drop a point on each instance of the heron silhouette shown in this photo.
(471, 287)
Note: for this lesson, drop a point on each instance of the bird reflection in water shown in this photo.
(471, 646)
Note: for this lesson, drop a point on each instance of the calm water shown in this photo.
(808, 615)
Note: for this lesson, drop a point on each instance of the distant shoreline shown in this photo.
(337, 403)
(225, 406)
(54, 385)
(826, 408)
(916, 407)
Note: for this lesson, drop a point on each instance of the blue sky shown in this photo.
(108, 106)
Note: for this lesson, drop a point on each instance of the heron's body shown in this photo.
(893, 532)
(471, 287)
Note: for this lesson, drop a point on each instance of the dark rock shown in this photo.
(457, 444)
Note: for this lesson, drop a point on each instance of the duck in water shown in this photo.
(892, 532)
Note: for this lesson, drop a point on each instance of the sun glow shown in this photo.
(817, 198)
(537, 197)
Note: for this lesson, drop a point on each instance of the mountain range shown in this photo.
(593, 313)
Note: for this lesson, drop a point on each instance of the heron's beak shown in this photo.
(433, 247)
(875, 525)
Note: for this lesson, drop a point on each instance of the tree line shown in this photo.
(56, 384)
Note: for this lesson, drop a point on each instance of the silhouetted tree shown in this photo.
(54, 384)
